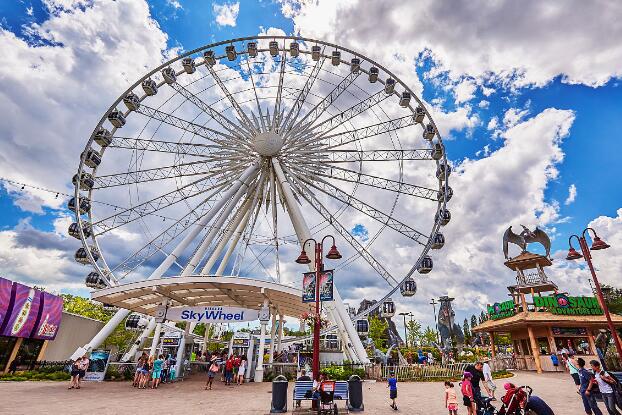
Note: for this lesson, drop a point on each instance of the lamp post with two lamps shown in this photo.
(597, 244)
(333, 253)
(405, 333)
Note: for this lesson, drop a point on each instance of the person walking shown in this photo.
(139, 365)
(165, 366)
(211, 372)
(75, 373)
(606, 385)
(488, 383)
(82, 366)
(241, 370)
(451, 399)
(476, 376)
(573, 369)
(468, 397)
(157, 372)
(589, 400)
(229, 370)
(392, 385)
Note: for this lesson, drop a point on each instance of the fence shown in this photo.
(424, 372)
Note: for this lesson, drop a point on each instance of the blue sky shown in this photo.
(592, 93)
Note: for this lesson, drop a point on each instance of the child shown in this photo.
(393, 390)
(467, 393)
(451, 400)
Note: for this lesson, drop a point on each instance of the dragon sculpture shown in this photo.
(451, 332)
(524, 238)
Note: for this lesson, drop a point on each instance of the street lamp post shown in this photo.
(333, 253)
(434, 303)
(597, 244)
(405, 333)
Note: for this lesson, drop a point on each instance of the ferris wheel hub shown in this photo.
(267, 143)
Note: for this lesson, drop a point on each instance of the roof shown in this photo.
(542, 318)
(527, 260)
(145, 296)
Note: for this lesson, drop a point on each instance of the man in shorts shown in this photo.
(488, 383)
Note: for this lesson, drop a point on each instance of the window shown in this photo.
(543, 345)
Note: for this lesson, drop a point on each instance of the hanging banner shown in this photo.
(50, 316)
(326, 285)
(217, 314)
(98, 364)
(5, 299)
(24, 311)
(308, 287)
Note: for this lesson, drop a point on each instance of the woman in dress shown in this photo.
(241, 370)
(211, 373)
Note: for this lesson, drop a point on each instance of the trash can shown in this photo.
(355, 392)
(279, 395)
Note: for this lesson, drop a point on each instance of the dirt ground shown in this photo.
(189, 397)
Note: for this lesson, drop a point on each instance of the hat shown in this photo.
(467, 375)
(508, 386)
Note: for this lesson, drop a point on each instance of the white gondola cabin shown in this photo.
(437, 151)
(103, 137)
(335, 59)
(362, 327)
(388, 309)
(426, 265)
(441, 170)
(419, 114)
(86, 181)
(169, 75)
(315, 52)
(131, 101)
(91, 158)
(273, 47)
(445, 193)
(443, 217)
(428, 132)
(405, 99)
(94, 280)
(189, 65)
(150, 87)
(210, 57)
(355, 65)
(294, 49)
(82, 257)
(389, 86)
(136, 322)
(409, 287)
(116, 118)
(373, 74)
(84, 206)
(231, 53)
(438, 241)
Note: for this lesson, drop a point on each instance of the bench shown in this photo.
(302, 386)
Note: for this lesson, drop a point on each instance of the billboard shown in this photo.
(25, 302)
(5, 299)
(98, 363)
(50, 313)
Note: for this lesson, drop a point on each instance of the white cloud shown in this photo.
(493, 123)
(29, 11)
(572, 194)
(226, 14)
(516, 43)
(465, 91)
(513, 116)
(174, 4)
(483, 104)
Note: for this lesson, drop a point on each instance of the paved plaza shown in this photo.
(189, 397)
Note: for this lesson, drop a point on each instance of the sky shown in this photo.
(527, 97)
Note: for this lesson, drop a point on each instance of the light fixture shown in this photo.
(333, 253)
(303, 258)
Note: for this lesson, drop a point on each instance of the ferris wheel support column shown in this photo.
(233, 195)
(303, 233)
(233, 243)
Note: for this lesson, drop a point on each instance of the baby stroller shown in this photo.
(326, 403)
(515, 398)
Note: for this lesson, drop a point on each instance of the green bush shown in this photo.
(343, 372)
(35, 375)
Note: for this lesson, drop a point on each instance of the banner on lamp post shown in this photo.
(326, 286)
(308, 287)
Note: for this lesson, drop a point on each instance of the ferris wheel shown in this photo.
(224, 159)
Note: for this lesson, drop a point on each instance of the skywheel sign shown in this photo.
(216, 314)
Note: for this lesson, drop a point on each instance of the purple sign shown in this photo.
(23, 313)
(5, 298)
(50, 314)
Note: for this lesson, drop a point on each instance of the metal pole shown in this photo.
(316, 326)
(405, 334)
(434, 303)
(599, 292)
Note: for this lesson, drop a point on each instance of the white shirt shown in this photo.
(487, 372)
(602, 385)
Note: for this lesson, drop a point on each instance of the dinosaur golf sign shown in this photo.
(501, 310)
(567, 305)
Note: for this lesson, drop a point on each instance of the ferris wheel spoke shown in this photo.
(155, 205)
(244, 120)
(351, 176)
(342, 230)
(347, 137)
(158, 243)
(346, 156)
(208, 133)
(216, 116)
(302, 97)
(168, 172)
(316, 112)
(319, 130)
(275, 224)
(186, 149)
(277, 103)
(250, 75)
(365, 208)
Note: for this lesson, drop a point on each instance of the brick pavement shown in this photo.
(188, 397)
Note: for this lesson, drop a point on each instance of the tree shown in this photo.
(473, 322)
(413, 332)
(613, 298)
(429, 336)
(466, 331)
(378, 331)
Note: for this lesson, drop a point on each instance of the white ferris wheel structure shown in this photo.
(223, 160)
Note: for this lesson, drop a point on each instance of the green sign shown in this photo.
(572, 306)
(501, 310)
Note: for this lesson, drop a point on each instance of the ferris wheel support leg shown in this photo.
(233, 243)
(303, 232)
(129, 356)
(156, 339)
(102, 335)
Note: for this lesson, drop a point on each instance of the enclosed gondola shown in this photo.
(273, 47)
(94, 280)
(426, 265)
(83, 206)
(419, 114)
(251, 47)
(131, 101)
(389, 86)
(408, 287)
(169, 75)
(103, 137)
(443, 217)
(74, 230)
(294, 49)
(443, 170)
(335, 58)
(210, 57)
(373, 74)
(231, 53)
(82, 257)
(116, 118)
(362, 327)
(189, 65)
(428, 132)
(150, 87)
(388, 308)
(405, 99)
(91, 158)
(315, 53)
(445, 193)
(136, 321)
(355, 65)
(438, 241)
(86, 181)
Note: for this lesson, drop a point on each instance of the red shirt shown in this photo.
(229, 364)
(467, 389)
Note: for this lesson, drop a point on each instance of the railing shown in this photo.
(503, 363)
(424, 372)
